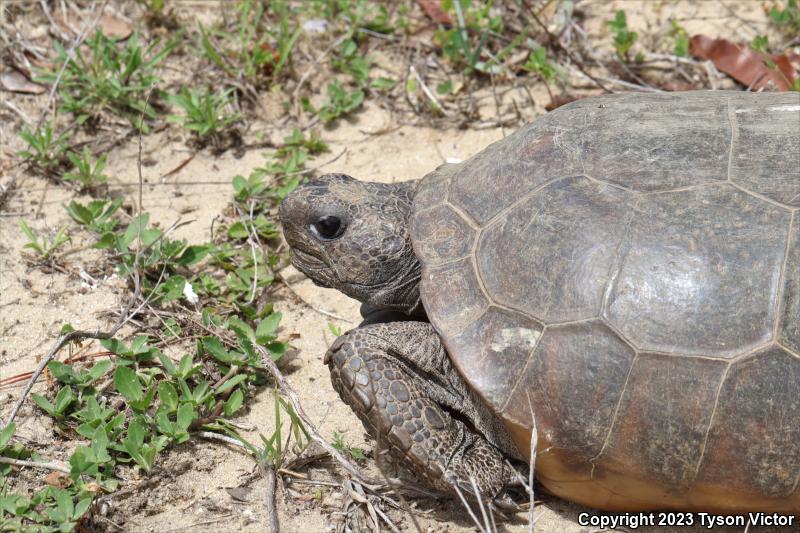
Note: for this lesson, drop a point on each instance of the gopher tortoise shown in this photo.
(622, 275)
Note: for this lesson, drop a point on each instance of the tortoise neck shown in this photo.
(400, 292)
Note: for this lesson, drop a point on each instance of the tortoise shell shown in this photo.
(626, 270)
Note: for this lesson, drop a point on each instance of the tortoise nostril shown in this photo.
(328, 227)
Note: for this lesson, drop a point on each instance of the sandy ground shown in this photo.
(195, 482)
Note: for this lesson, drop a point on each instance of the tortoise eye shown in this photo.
(328, 227)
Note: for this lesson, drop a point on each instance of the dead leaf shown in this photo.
(240, 494)
(434, 12)
(14, 81)
(115, 28)
(677, 86)
(111, 26)
(746, 65)
(58, 479)
(563, 99)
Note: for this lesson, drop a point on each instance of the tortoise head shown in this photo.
(353, 236)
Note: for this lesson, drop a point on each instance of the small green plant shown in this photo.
(760, 43)
(88, 174)
(787, 18)
(97, 215)
(44, 248)
(164, 402)
(285, 165)
(340, 102)
(350, 62)
(63, 400)
(681, 38)
(624, 38)
(539, 64)
(336, 330)
(205, 113)
(109, 79)
(340, 445)
(264, 40)
(45, 151)
(465, 43)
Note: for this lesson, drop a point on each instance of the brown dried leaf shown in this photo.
(112, 27)
(115, 28)
(16, 82)
(744, 64)
(58, 480)
(434, 12)
(564, 99)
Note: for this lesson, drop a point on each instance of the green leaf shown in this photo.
(168, 396)
(383, 84)
(99, 369)
(242, 330)
(115, 346)
(172, 289)
(267, 327)
(137, 224)
(82, 507)
(44, 404)
(214, 346)
(445, 87)
(6, 433)
(234, 402)
(185, 365)
(65, 504)
(82, 461)
(64, 397)
(63, 372)
(185, 416)
(139, 345)
(232, 382)
(128, 384)
(277, 349)
(237, 231)
(336, 330)
(167, 363)
(136, 433)
(194, 254)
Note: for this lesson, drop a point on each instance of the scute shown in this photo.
(512, 168)
(765, 153)
(575, 380)
(660, 428)
(550, 256)
(789, 327)
(754, 442)
(445, 235)
(502, 340)
(454, 297)
(700, 272)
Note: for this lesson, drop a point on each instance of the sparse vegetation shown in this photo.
(624, 38)
(205, 309)
(206, 114)
(787, 16)
(110, 78)
(45, 151)
(87, 172)
(43, 246)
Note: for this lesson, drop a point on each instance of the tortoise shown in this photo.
(622, 274)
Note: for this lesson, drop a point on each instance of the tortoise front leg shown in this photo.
(399, 381)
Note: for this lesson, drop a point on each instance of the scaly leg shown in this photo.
(399, 381)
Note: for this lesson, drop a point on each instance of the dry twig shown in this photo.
(291, 395)
(35, 464)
